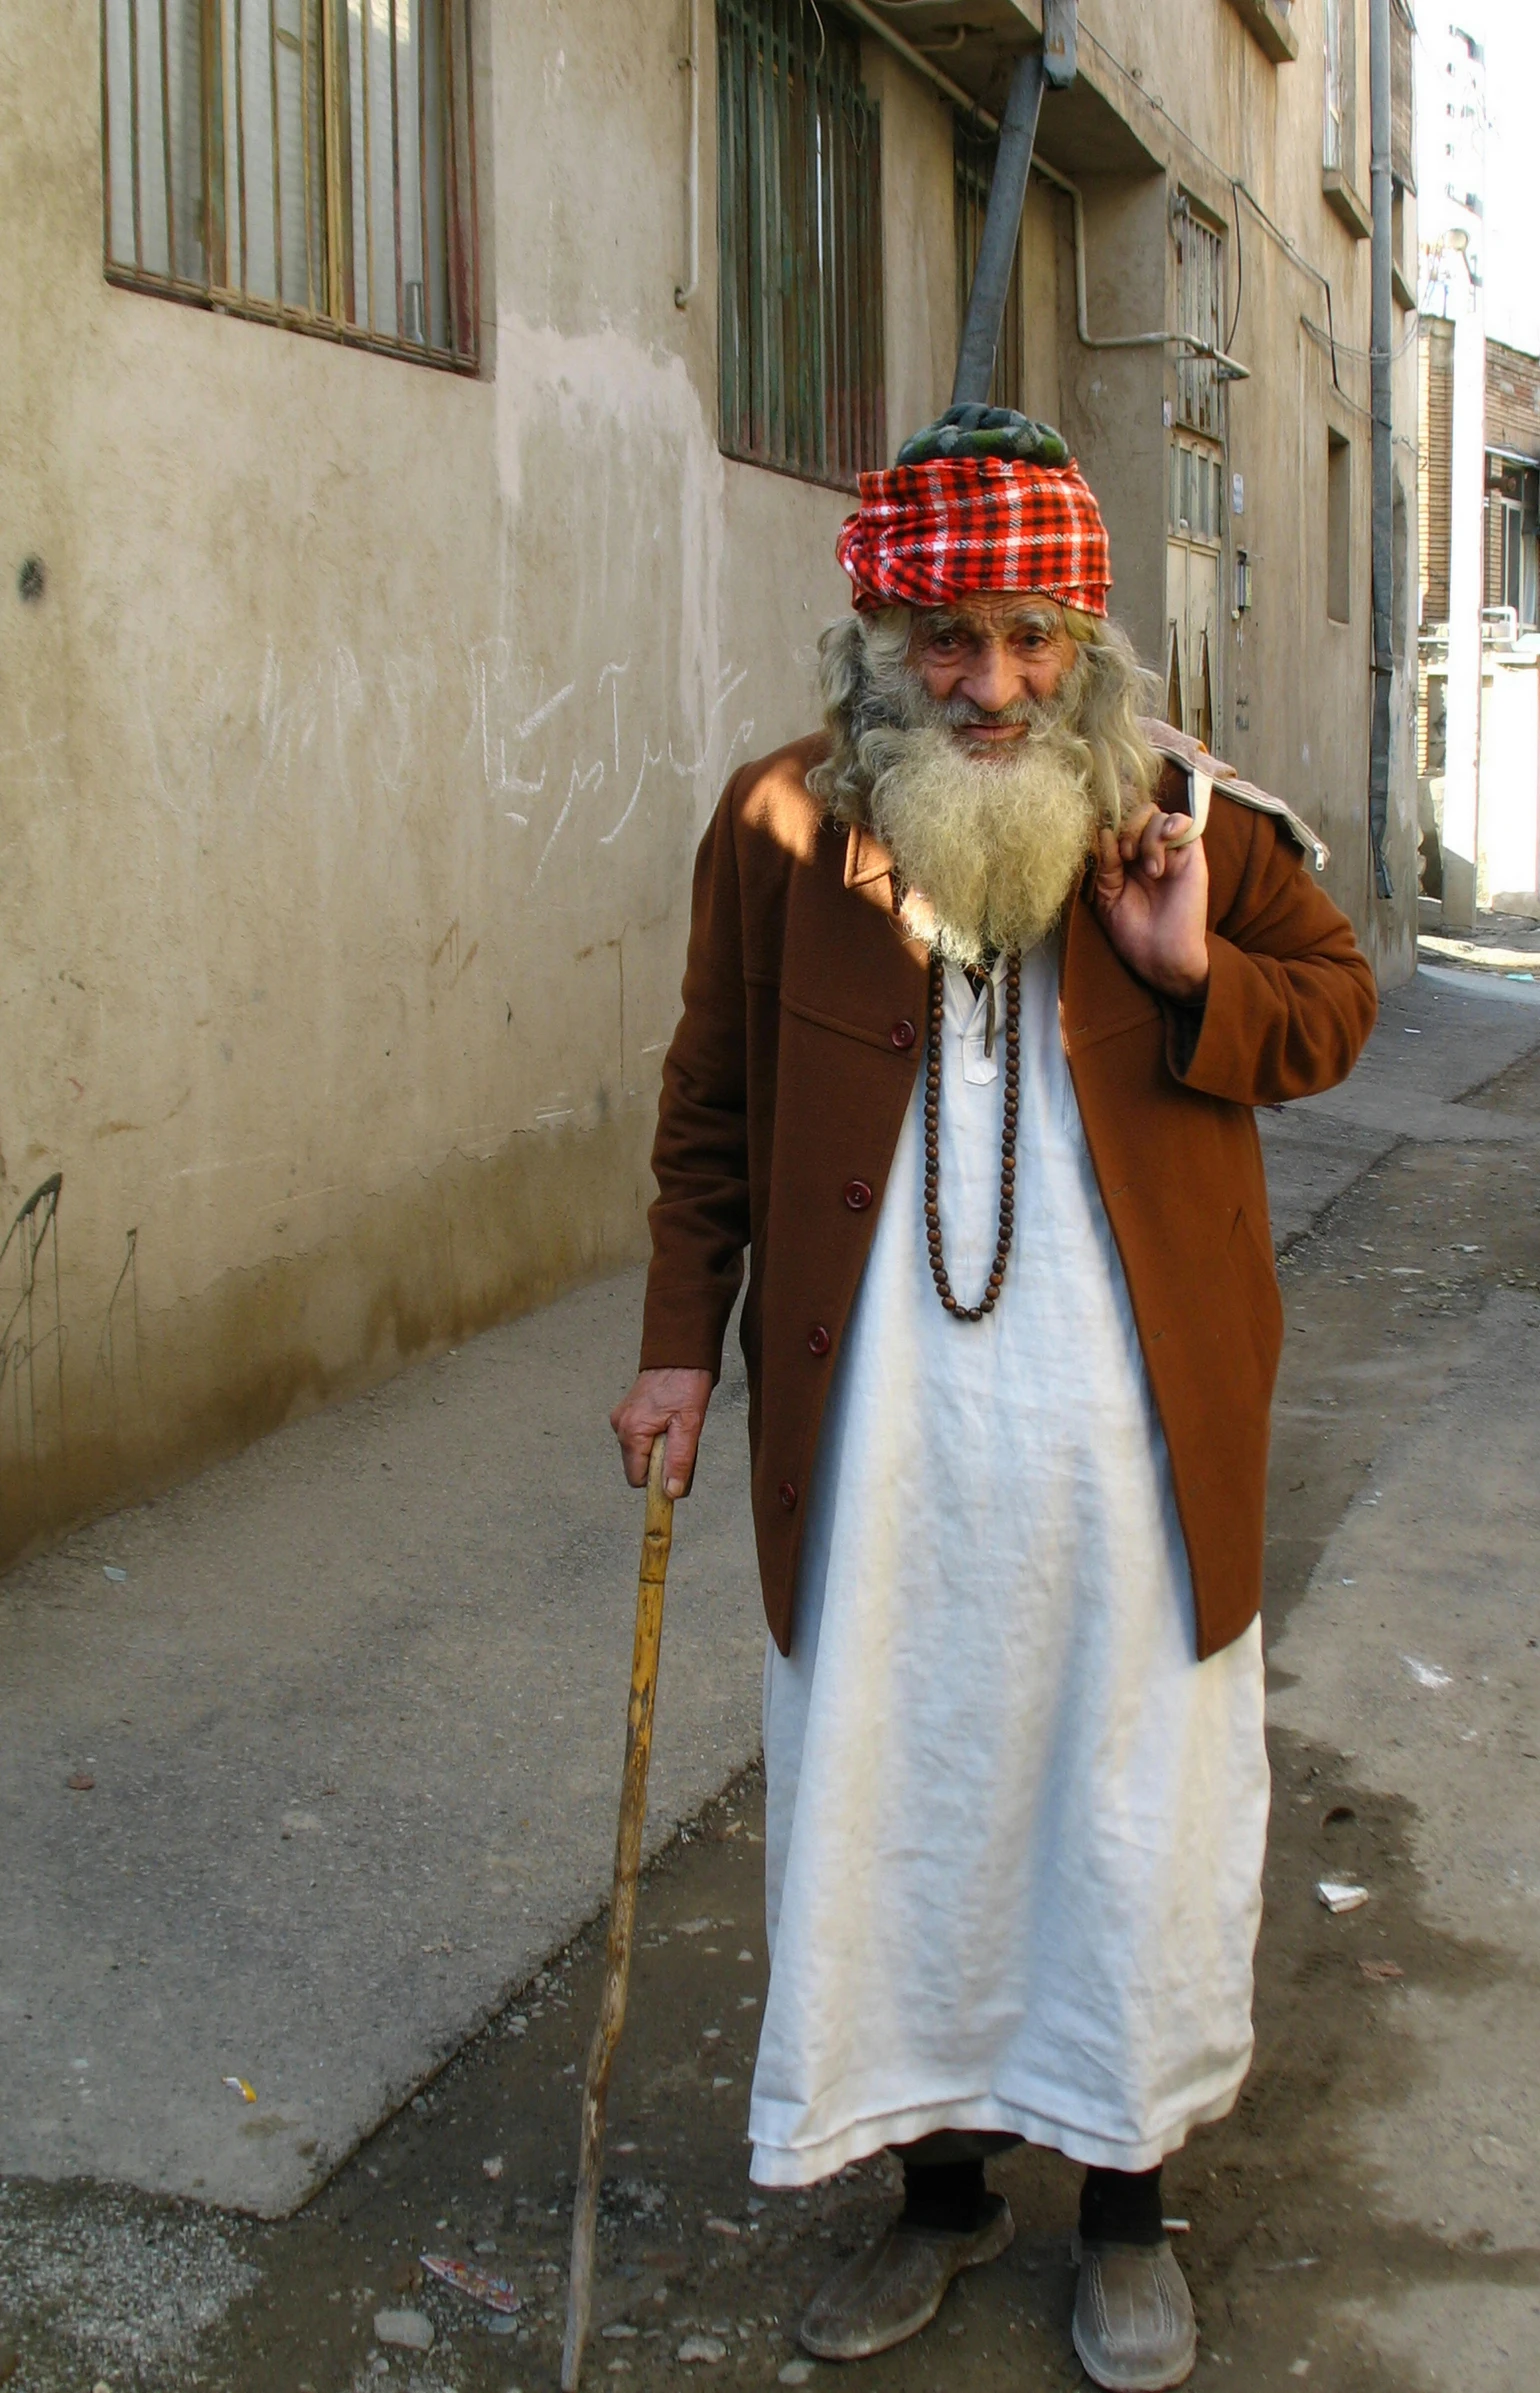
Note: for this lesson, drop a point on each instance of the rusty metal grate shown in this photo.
(308, 162)
(973, 170)
(1200, 284)
(799, 208)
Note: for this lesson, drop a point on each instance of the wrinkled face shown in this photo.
(989, 660)
(984, 743)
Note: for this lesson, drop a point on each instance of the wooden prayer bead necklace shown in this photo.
(996, 1281)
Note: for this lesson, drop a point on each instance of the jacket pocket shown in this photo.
(1257, 1282)
(870, 1034)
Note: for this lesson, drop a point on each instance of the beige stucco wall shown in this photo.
(351, 763)
(1196, 91)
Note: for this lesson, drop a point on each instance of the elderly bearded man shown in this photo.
(972, 1033)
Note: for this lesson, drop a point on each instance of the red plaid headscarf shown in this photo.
(928, 534)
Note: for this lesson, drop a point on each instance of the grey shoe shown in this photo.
(886, 2294)
(1134, 2328)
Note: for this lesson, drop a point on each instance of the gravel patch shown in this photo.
(131, 2290)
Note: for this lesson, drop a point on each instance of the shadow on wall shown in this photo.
(96, 1412)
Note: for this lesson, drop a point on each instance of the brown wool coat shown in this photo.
(785, 1089)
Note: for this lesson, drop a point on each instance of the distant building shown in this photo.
(1508, 821)
(427, 423)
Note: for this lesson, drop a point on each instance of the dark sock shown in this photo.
(947, 2193)
(1118, 2208)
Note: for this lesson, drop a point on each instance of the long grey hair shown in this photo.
(872, 699)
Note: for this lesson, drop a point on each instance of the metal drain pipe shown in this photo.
(925, 65)
(684, 292)
(1382, 452)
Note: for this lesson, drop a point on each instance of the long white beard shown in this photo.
(994, 843)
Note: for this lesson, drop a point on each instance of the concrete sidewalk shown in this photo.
(1439, 1040)
(353, 1712)
(1416, 1655)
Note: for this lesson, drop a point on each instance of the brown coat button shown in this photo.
(788, 1495)
(857, 1195)
(902, 1034)
(818, 1339)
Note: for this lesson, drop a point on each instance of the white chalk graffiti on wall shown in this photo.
(378, 728)
(502, 742)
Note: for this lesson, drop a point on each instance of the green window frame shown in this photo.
(311, 163)
(799, 221)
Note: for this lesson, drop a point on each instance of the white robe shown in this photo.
(1015, 1827)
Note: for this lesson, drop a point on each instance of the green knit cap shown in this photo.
(975, 431)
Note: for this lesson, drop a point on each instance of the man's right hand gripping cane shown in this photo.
(671, 1400)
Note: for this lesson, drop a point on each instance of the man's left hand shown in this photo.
(1151, 898)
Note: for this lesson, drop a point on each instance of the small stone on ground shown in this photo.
(409, 2330)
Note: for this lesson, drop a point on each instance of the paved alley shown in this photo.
(342, 1817)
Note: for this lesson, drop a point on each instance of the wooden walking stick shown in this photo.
(656, 1539)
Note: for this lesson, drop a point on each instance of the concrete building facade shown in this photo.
(423, 431)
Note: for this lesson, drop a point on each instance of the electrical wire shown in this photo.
(1369, 357)
(1323, 340)
(1239, 190)
(1296, 257)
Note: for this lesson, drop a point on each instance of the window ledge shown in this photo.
(1404, 294)
(1345, 203)
(1268, 23)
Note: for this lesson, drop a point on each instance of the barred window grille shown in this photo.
(311, 162)
(1200, 306)
(1335, 37)
(973, 170)
(1513, 490)
(1194, 493)
(1403, 118)
(799, 208)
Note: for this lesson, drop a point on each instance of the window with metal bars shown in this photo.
(1195, 493)
(799, 221)
(310, 162)
(973, 170)
(1199, 312)
(1339, 43)
(1403, 120)
(1512, 491)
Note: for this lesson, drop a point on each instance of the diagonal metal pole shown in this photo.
(1053, 66)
